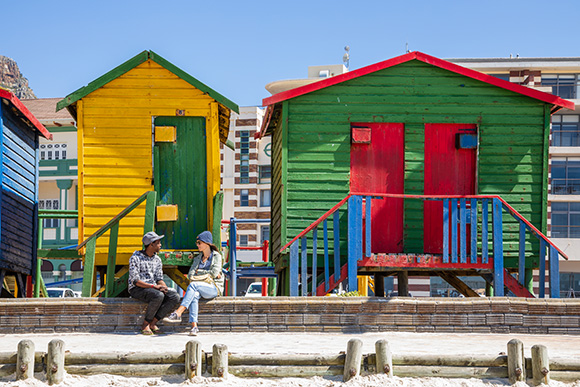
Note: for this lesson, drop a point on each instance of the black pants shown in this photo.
(159, 303)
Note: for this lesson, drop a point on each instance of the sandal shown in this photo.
(146, 332)
(157, 331)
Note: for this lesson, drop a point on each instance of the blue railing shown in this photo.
(238, 272)
(480, 212)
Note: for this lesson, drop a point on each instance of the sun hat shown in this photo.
(151, 237)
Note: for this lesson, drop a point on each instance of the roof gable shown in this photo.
(131, 64)
(416, 55)
(19, 106)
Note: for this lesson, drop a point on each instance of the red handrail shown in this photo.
(317, 222)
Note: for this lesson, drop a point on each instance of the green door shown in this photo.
(180, 179)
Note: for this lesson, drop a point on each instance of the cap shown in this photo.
(151, 237)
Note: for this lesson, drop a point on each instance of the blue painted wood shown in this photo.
(336, 245)
(326, 260)
(484, 230)
(294, 269)
(314, 260)
(554, 273)
(473, 238)
(542, 274)
(304, 266)
(522, 254)
(368, 227)
(463, 230)
(445, 230)
(354, 240)
(1, 179)
(233, 263)
(498, 265)
(454, 230)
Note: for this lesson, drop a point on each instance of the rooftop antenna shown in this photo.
(407, 48)
(346, 56)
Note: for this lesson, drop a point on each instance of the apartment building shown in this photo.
(246, 179)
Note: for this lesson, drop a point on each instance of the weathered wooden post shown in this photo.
(219, 361)
(55, 362)
(540, 365)
(25, 360)
(192, 359)
(384, 358)
(353, 359)
(516, 361)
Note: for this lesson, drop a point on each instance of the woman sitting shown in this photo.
(206, 278)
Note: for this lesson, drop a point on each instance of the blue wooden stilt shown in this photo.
(326, 260)
(294, 269)
(484, 230)
(304, 266)
(336, 231)
(498, 265)
(233, 258)
(445, 230)
(368, 227)
(554, 273)
(454, 230)
(314, 260)
(463, 230)
(473, 223)
(522, 254)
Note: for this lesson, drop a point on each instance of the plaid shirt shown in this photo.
(144, 268)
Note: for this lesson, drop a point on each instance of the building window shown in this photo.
(244, 156)
(49, 204)
(566, 130)
(265, 198)
(563, 85)
(265, 233)
(264, 174)
(570, 285)
(565, 175)
(244, 198)
(565, 220)
(243, 240)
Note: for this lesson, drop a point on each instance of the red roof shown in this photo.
(5, 94)
(416, 55)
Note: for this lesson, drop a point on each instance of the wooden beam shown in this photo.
(458, 284)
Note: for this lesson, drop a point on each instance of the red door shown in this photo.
(449, 170)
(377, 166)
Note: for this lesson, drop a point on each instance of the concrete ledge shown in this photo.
(298, 314)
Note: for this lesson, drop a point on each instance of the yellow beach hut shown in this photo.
(146, 126)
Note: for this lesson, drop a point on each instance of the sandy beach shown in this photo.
(559, 346)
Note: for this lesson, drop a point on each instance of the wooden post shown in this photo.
(516, 361)
(353, 359)
(55, 362)
(540, 365)
(193, 359)
(25, 360)
(384, 358)
(403, 283)
(219, 361)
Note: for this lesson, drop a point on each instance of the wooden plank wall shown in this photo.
(115, 147)
(19, 187)
(511, 128)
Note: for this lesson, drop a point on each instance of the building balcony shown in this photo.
(53, 168)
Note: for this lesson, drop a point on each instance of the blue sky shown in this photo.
(237, 47)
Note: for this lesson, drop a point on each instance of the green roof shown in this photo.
(142, 57)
